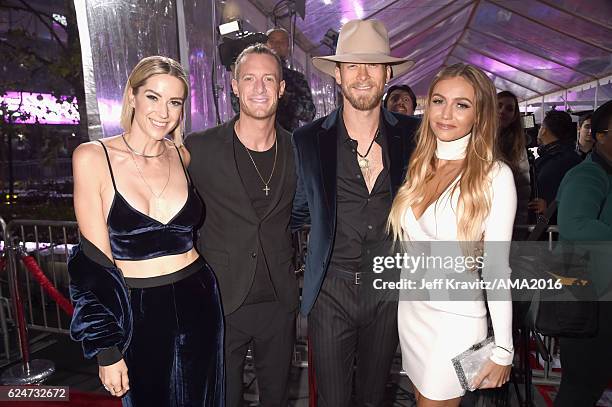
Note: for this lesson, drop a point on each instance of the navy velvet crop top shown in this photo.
(136, 236)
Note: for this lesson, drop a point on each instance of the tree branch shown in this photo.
(42, 13)
(27, 51)
(49, 27)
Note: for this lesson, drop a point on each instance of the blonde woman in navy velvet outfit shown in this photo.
(146, 304)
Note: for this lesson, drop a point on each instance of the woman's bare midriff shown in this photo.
(158, 266)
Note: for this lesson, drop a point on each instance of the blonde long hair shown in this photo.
(147, 67)
(474, 183)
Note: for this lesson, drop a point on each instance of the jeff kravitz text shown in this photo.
(453, 284)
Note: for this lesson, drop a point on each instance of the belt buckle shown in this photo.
(357, 279)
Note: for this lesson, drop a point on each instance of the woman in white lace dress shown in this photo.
(456, 190)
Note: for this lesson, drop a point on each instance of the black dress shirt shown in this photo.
(361, 215)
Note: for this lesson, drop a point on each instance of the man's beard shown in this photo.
(365, 102)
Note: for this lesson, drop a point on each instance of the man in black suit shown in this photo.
(350, 165)
(244, 171)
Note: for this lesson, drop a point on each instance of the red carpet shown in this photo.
(549, 393)
(77, 399)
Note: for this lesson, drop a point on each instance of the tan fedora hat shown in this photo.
(363, 41)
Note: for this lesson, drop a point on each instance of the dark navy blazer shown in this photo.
(315, 199)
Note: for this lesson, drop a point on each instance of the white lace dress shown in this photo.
(433, 332)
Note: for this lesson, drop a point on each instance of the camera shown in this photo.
(230, 48)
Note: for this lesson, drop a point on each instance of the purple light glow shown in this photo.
(42, 107)
(110, 110)
(351, 9)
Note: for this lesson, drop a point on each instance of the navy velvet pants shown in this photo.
(175, 356)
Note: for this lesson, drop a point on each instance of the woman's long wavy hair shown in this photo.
(511, 141)
(474, 184)
(146, 68)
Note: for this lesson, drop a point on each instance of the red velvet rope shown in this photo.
(2, 264)
(47, 285)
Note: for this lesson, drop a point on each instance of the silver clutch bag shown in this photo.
(468, 363)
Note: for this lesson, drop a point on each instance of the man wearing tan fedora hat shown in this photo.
(350, 165)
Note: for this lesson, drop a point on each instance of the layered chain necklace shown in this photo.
(159, 205)
(138, 153)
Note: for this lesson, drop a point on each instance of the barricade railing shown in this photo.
(546, 347)
(5, 307)
(32, 249)
(49, 243)
(548, 376)
(551, 232)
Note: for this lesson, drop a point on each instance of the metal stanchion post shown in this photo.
(3, 324)
(28, 371)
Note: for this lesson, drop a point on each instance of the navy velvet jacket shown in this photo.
(102, 319)
(315, 199)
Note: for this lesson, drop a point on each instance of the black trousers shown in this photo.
(586, 364)
(175, 356)
(270, 327)
(350, 323)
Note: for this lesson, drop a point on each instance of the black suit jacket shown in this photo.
(316, 149)
(232, 232)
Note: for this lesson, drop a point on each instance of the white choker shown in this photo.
(452, 150)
